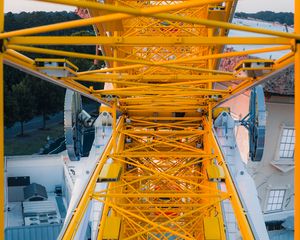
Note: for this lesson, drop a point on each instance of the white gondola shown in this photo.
(253, 67)
(58, 68)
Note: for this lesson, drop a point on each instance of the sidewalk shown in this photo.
(37, 122)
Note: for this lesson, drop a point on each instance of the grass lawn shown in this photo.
(31, 142)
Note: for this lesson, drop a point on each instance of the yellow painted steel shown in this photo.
(165, 16)
(217, 111)
(112, 228)
(212, 228)
(2, 182)
(2, 192)
(105, 58)
(165, 165)
(146, 41)
(297, 121)
(110, 172)
(121, 14)
(86, 197)
(165, 159)
(215, 172)
(20, 56)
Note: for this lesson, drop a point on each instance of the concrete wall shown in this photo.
(267, 175)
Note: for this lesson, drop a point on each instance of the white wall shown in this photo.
(239, 108)
(280, 110)
(46, 170)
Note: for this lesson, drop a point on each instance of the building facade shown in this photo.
(274, 175)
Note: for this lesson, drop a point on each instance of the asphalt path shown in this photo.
(37, 122)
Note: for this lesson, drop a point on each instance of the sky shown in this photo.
(252, 6)
(249, 6)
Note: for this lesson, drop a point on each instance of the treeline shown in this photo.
(269, 16)
(27, 96)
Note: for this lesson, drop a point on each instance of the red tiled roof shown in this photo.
(281, 83)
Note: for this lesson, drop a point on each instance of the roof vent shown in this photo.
(35, 192)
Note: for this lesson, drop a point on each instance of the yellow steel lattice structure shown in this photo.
(161, 70)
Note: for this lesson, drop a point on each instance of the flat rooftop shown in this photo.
(15, 216)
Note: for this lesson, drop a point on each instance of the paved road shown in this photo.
(37, 123)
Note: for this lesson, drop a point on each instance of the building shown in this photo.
(275, 173)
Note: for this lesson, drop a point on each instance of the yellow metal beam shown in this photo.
(248, 83)
(145, 41)
(101, 19)
(166, 144)
(19, 56)
(134, 209)
(146, 12)
(164, 80)
(297, 121)
(132, 11)
(199, 58)
(168, 64)
(27, 66)
(159, 195)
(240, 214)
(105, 58)
(167, 16)
(73, 224)
(133, 91)
(2, 182)
(120, 147)
(232, 54)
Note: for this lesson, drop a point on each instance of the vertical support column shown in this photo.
(2, 198)
(210, 86)
(115, 51)
(114, 125)
(103, 218)
(115, 55)
(119, 148)
(114, 113)
(210, 60)
(297, 122)
(210, 125)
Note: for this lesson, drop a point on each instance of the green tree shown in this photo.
(269, 16)
(10, 108)
(49, 98)
(25, 101)
(82, 64)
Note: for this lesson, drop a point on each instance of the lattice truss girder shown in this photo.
(162, 61)
(142, 26)
(163, 190)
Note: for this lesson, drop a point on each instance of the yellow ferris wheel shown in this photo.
(164, 173)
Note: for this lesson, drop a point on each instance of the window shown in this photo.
(287, 143)
(284, 153)
(275, 200)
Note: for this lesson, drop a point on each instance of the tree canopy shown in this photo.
(25, 108)
(43, 98)
(269, 16)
